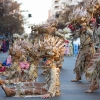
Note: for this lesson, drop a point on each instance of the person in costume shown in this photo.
(71, 48)
(16, 38)
(67, 52)
(3, 46)
(16, 52)
(80, 19)
(85, 53)
(22, 70)
(51, 47)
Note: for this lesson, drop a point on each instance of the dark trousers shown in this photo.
(7, 47)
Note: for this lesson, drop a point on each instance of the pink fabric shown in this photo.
(66, 41)
(93, 20)
(9, 59)
(71, 27)
(24, 65)
(67, 49)
(2, 69)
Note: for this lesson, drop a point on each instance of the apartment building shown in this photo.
(59, 6)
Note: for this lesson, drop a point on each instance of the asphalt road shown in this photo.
(69, 90)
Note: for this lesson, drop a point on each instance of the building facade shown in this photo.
(58, 6)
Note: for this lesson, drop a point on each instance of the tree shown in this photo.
(11, 20)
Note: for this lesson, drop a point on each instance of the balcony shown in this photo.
(57, 11)
(56, 0)
(56, 6)
(65, 2)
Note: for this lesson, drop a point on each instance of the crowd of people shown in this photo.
(69, 48)
(4, 45)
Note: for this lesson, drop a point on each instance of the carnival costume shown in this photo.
(88, 58)
(93, 71)
(51, 47)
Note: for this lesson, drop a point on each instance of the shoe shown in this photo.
(75, 80)
(92, 89)
(9, 92)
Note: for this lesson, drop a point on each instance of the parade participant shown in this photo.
(7, 44)
(80, 27)
(71, 47)
(85, 53)
(16, 52)
(0, 46)
(52, 47)
(21, 70)
(50, 88)
(16, 38)
(3, 47)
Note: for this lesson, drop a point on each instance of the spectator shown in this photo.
(12, 41)
(3, 47)
(0, 45)
(7, 44)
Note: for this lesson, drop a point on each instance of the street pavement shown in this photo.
(69, 90)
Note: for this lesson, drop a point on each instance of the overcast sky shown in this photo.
(38, 9)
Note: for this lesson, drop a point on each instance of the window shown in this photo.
(56, 2)
(56, 7)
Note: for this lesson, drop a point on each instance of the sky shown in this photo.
(39, 10)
